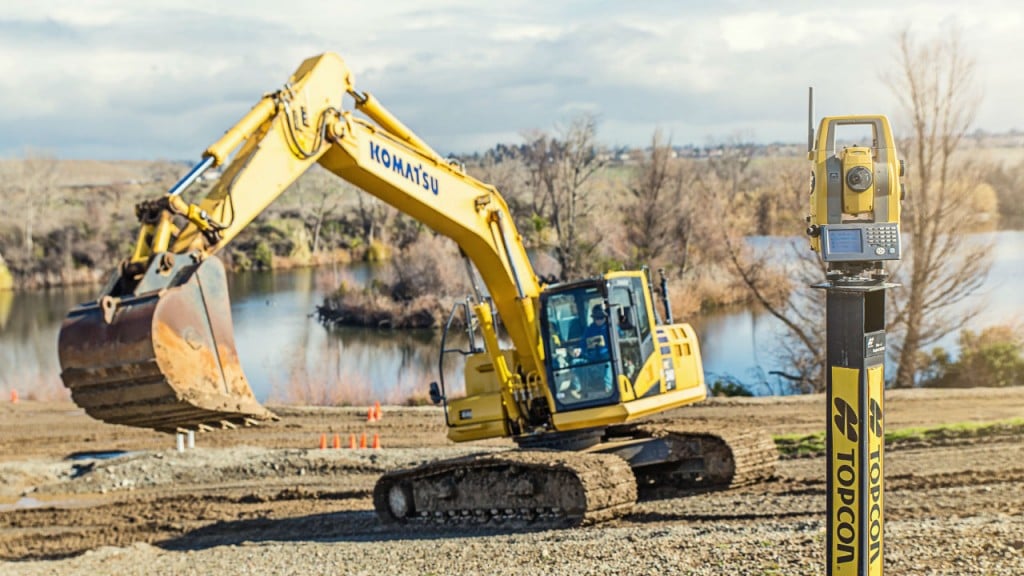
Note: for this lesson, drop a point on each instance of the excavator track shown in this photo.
(519, 487)
(682, 459)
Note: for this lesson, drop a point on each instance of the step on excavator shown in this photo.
(567, 370)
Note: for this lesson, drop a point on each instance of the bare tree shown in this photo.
(724, 193)
(781, 203)
(934, 82)
(508, 174)
(781, 290)
(652, 213)
(372, 217)
(32, 191)
(541, 155)
(321, 194)
(561, 170)
(731, 162)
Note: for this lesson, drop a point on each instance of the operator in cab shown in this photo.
(595, 335)
(595, 351)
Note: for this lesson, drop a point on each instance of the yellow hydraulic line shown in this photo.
(142, 251)
(193, 213)
(154, 238)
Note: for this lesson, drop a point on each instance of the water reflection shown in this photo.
(738, 344)
(28, 340)
(289, 356)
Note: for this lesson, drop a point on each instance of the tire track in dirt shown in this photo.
(49, 533)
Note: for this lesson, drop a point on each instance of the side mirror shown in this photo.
(435, 393)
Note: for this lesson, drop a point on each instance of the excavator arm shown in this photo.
(156, 349)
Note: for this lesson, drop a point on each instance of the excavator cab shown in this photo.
(594, 340)
(607, 360)
(582, 340)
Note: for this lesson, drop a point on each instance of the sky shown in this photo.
(162, 79)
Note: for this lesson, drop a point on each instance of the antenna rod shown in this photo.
(810, 118)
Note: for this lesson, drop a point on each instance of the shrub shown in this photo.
(416, 291)
(263, 256)
(993, 357)
(240, 261)
(428, 267)
(377, 251)
(729, 387)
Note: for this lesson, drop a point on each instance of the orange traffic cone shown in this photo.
(351, 441)
(336, 443)
(377, 412)
(14, 396)
(362, 440)
(323, 441)
(371, 415)
(376, 441)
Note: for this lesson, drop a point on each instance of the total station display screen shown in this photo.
(845, 241)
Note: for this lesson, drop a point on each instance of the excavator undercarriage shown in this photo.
(548, 488)
(556, 487)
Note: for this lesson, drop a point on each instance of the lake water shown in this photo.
(289, 356)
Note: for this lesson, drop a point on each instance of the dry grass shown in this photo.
(322, 258)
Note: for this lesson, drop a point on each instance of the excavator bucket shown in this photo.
(162, 356)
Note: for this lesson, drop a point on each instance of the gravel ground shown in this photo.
(268, 502)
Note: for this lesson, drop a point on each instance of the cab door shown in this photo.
(631, 323)
(579, 347)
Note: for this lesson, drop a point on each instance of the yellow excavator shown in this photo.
(588, 358)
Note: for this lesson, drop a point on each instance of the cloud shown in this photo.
(119, 79)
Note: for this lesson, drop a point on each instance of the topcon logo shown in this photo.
(875, 418)
(846, 419)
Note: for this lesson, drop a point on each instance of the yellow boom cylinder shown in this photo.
(370, 106)
(260, 113)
